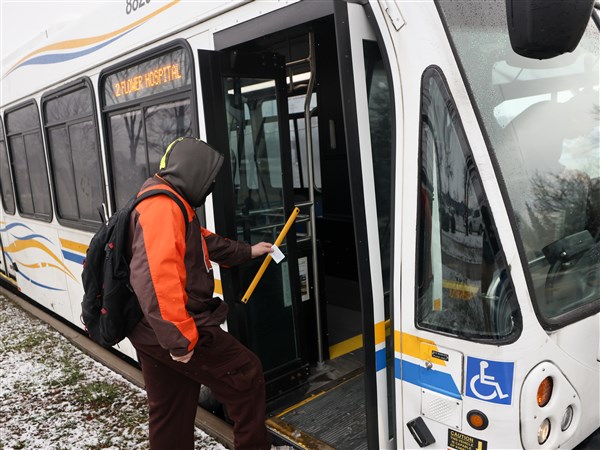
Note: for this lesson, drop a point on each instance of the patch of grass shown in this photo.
(99, 394)
(131, 420)
(29, 342)
(23, 388)
(71, 372)
(38, 340)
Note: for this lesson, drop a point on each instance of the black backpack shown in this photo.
(110, 309)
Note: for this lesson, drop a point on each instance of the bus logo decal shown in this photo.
(490, 381)
(36, 57)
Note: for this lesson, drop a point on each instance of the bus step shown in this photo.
(333, 418)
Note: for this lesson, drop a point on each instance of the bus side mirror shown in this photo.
(543, 29)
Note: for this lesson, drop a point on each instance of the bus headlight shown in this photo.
(544, 392)
(551, 410)
(544, 431)
(567, 418)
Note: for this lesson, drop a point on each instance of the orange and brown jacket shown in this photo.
(171, 271)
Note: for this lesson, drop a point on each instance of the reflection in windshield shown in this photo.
(542, 119)
(463, 285)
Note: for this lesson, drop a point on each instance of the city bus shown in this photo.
(441, 283)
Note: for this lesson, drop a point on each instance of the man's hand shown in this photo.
(183, 359)
(261, 248)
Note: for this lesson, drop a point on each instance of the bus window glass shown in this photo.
(298, 141)
(22, 119)
(62, 168)
(463, 285)
(241, 139)
(8, 195)
(141, 128)
(165, 123)
(128, 158)
(271, 131)
(24, 195)
(38, 174)
(542, 118)
(74, 156)
(256, 159)
(378, 93)
(68, 106)
(88, 172)
(27, 153)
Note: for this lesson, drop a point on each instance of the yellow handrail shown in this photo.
(268, 259)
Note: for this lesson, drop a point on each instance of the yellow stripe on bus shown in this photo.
(356, 342)
(347, 346)
(18, 246)
(381, 330)
(75, 246)
(416, 347)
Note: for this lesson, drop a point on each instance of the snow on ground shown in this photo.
(53, 396)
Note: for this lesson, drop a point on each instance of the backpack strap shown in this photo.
(159, 191)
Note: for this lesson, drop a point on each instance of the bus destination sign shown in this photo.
(161, 74)
(148, 80)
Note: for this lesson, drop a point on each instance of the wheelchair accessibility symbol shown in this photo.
(490, 381)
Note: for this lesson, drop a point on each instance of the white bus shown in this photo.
(441, 286)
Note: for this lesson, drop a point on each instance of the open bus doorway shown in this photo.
(254, 169)
(268, 79)
(339, 331)
(259, 94)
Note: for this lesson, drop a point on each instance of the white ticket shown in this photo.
(277, 254)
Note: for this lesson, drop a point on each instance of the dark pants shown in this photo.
(220, 362)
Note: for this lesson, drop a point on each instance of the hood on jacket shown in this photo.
(191, 166)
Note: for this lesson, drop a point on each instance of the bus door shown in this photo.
(368, 118)
(246, 117)
(350, 117)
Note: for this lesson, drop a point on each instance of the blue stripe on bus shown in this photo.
(10, 226)
(431, 379)
(61, 57)
(73, 257)
(39, 284)
(54, 58)
(380, 360)
(31, 236)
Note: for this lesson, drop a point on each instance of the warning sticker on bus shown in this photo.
(459, 441)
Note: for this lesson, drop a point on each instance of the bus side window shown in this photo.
(74, 155)
(27, 154)
(8, 195)
(463, 286)
(147, 105)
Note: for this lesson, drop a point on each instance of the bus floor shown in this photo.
(332, 414)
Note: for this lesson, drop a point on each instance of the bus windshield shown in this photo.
(542, 121)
